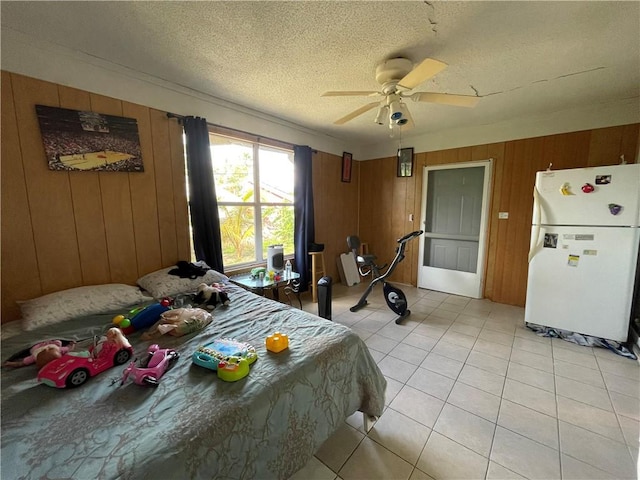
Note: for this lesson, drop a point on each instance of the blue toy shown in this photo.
(140, 318)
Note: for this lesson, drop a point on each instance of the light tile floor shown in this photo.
(474, 394)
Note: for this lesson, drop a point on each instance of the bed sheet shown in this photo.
(194, 425)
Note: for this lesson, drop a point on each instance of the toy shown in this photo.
(210, 355)
(158, 361)
(74, 368)
(41, 354)
(233, 369)
(178, 322)
(277, 342)
(166, 302)
(210, 296)
(255, 272)
(141, 317)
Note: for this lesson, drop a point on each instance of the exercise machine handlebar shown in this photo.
(410, 236)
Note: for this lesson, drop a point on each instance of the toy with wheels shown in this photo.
(75, 368)
(149, 371)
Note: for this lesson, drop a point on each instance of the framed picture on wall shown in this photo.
(77, 140)
(347, 159)
(405, 162)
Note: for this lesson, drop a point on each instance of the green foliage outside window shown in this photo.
(239, 204)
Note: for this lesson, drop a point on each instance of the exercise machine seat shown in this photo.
(368, 261)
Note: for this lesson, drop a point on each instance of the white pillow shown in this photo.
(160, 284)
(11, 329)
(76, 302)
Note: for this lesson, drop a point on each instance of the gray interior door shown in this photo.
(454, 222)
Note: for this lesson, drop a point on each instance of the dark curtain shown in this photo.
(205, 220)
(304, 233)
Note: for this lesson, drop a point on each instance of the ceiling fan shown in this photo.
(398, 77)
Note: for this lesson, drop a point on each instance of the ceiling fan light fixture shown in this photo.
(383, 113)
(405, 114)
(396, 111)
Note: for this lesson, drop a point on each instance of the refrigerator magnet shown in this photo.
(550, 240)
(565, 189)
(573, 260)
(603, 179)
(614, 208)
(588, 188)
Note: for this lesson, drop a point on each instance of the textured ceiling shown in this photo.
(522, 58)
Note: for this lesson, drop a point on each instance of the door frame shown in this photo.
(484, 220)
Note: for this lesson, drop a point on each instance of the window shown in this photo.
(254, 189)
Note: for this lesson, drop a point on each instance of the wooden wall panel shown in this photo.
(335, 207)
(621, 140)
(379, 207)
(87, 206)
(49, 192)
(496, 152)
(164, 183)
(66, 229)
(20, 270)
(514, 166)
(143, 193)
(117, 210)
(398, 214)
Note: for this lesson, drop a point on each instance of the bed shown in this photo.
(193, 425)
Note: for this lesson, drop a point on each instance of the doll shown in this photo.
(41, 354)
(113, 335)
(116, 336)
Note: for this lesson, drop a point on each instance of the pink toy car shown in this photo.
(74, 368)
(158, 361)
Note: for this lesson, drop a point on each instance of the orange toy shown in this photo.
(277, 342)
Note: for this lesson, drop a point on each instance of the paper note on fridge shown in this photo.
(578, 236)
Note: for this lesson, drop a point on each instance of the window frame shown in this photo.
(256, 203)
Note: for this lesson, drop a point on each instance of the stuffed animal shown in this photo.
(210, 296)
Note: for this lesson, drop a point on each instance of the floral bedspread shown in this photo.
(194, 425)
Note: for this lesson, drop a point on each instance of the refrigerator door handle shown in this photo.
(535, 231)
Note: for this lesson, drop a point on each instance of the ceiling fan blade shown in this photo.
(357, 112)
(349, 94)
(446, 99)
(427, 69)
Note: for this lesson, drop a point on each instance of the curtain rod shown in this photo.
(181, 117)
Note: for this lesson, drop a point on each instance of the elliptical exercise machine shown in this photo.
(395, 298)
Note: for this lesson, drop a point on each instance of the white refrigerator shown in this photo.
(584, 248)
